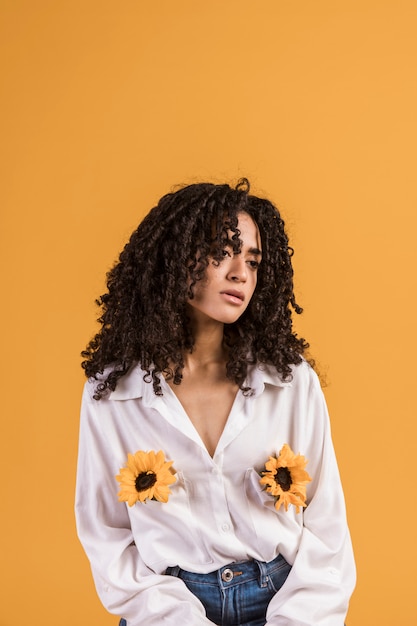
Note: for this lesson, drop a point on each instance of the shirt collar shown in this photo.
(132, 386)
(262, 374)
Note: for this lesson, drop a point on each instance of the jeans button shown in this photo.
(227, 575)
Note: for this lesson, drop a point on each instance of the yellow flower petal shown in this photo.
(132, 499)
(161, 493)
(158, 470)
(143, 495)
(131, 463)
(286, 456)
(285, 479)
(142, 462)
(159, 461)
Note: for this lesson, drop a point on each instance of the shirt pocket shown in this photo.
(272, 527)
(168, 533)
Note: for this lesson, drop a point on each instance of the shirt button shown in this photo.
(225, 527)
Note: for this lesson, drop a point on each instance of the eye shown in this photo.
(253, 264)
(225, 253)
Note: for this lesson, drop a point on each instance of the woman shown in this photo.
(208, 490)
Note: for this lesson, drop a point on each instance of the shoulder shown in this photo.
(302, 374)
(130, 386)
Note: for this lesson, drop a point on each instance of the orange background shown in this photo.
(106, 106)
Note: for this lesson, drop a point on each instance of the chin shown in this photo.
(230, 319)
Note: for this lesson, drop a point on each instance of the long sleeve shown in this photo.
(323, 574)
(125, 585)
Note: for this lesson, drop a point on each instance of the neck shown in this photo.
(208, 344)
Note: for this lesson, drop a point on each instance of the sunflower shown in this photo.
(286, 478)
(146, 476)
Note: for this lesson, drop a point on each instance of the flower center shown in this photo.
(283, 478)
(145, 480)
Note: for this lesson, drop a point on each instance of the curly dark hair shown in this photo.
(144, 312)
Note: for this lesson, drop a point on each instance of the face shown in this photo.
(227, 289)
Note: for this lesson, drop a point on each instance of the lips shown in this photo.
(234, 294)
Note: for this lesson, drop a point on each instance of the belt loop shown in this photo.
(263, 573)
(173, 571)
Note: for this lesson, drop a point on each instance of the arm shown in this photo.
(125, 585)
(322, 578)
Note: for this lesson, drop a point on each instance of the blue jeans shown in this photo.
(237, 594)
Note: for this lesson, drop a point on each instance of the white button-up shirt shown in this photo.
(217, 512)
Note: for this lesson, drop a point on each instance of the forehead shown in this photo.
(249, 231)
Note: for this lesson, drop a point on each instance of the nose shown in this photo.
(237, 269)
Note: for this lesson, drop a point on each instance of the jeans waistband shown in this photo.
(234, 573)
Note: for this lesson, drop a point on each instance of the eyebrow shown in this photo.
(254, 251)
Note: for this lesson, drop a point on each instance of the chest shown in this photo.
(207, 408)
